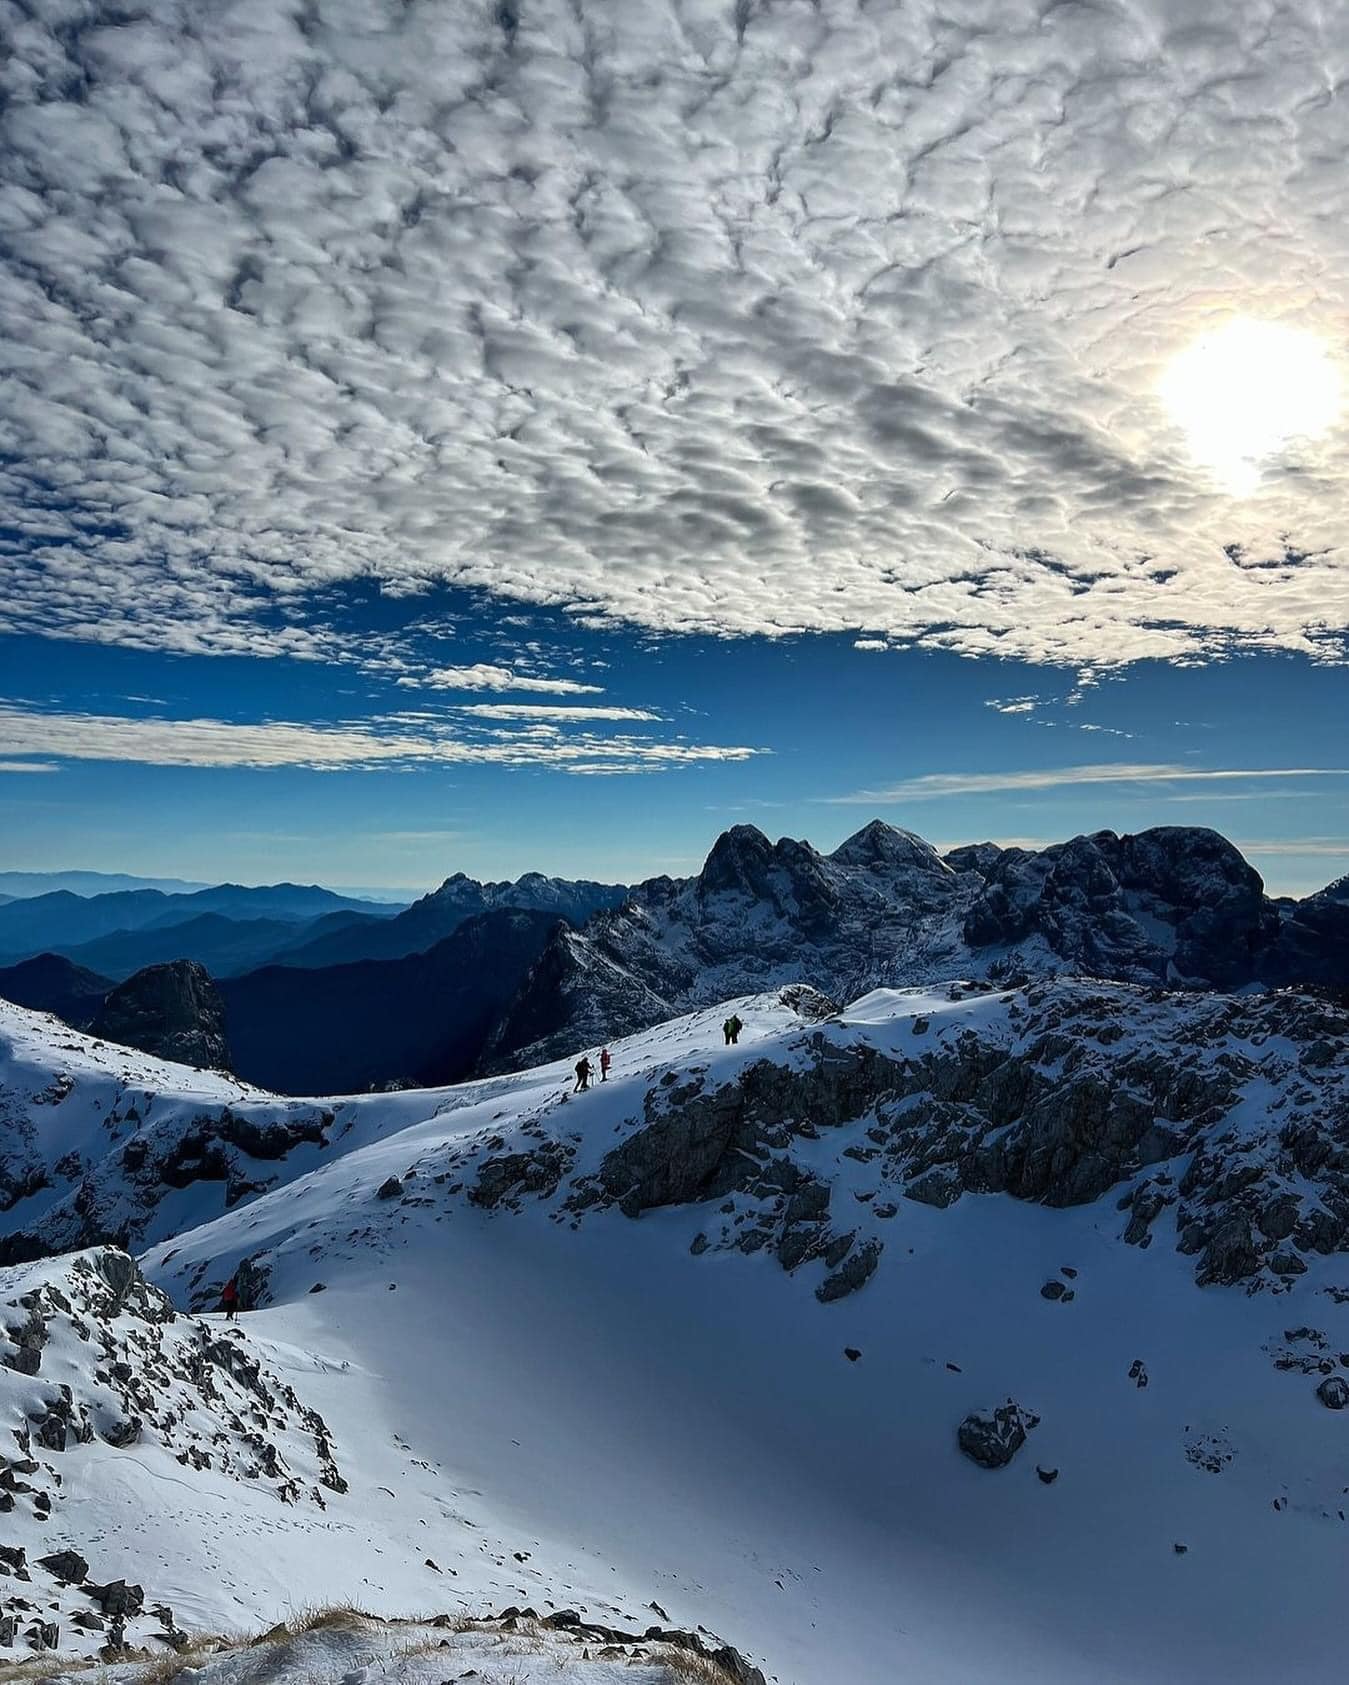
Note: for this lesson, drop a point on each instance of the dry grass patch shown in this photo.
(690, 1669)
(42, 1667)
(323, 1617)
(46, 1667)
(163, 1670)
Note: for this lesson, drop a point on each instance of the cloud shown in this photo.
(28, 766)
(1014, 704)
(1299, 847)
(550, 711)
(737, 319)
(484, 676)
(936, 785)
(391, 741)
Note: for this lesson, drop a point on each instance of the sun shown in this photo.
(1243, 392)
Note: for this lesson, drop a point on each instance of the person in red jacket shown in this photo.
(229, 1298)
(606, 1059)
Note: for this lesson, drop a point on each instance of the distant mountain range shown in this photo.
(437, 915)
(66, 923)
(16, 884)
(232, 929)
(323, 994)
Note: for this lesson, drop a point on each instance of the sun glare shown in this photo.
(1245, 391)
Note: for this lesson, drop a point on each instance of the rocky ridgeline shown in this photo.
(1221, 1122)
(1177, 906)
(132, 1373)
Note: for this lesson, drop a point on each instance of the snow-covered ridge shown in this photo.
(1228, 1117)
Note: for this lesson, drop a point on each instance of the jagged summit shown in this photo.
(1176, 905)
(878, 845)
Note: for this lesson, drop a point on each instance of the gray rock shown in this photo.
(992, 1439)
(117, 1598)
(1333, 1392)
(855, 1271)
(68, 1566)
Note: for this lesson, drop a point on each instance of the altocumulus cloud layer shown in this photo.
(741, 316)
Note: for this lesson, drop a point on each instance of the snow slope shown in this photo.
(562, 1405)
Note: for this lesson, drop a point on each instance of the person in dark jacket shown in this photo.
(733, 1029)
(229, 1298)
(582, 1075)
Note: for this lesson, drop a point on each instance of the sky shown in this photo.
(538, 434)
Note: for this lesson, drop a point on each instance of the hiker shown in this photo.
(606, 1059)
(733, 1029)
(726, 1031)
(229, 1298)
(582, 1075)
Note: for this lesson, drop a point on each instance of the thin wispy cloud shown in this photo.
(740, 319)
(483, 675)
(397, 740)
(28, 766)
(938, 785)
(553, 712)
(1308, 847)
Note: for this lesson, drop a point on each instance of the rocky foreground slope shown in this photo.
(979, 1334)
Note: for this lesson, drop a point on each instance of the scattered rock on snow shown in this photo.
(992, 1439)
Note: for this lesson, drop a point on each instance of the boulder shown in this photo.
(1333, 1392)
(993, 1438)
(68, 1566)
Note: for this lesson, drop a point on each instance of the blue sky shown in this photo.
(839, 734)
(499, 437)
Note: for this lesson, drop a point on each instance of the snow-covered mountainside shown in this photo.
(1177, 906)
(966, 1334)
(168, 1447)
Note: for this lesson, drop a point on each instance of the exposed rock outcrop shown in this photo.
(1227, 1115)
(91, 1353)
(173, 1011)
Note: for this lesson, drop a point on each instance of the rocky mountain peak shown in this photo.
(878, 845)
(738, 861)
(173, 1011)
